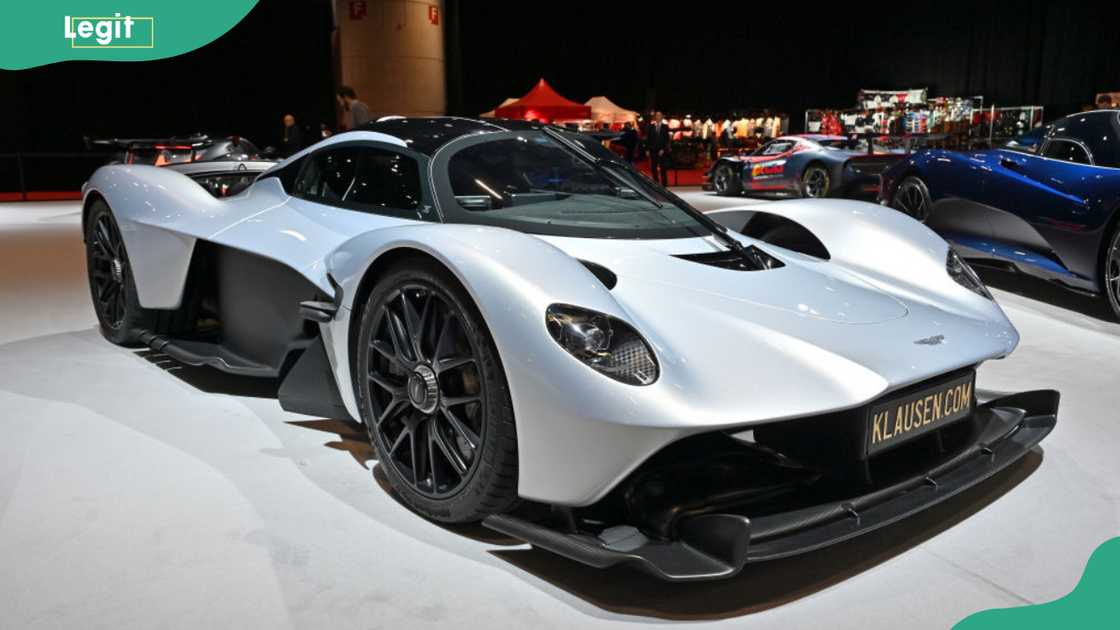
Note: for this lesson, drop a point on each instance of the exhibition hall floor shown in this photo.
(138, 493)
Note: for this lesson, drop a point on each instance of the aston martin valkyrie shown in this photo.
(536, 336)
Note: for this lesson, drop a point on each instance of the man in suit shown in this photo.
(291, 141)
(657, 143)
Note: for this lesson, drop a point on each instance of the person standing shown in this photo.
(629, 141)
(657, 143)
(291, 141)
(356, 113)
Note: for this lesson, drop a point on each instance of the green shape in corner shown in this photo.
(1093, 603)
(40, 33)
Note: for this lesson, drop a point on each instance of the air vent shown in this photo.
(756, 259)
(606, 276)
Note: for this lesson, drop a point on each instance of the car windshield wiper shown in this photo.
(750, 254)
(604, 166)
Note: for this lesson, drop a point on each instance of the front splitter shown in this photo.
(713, 546)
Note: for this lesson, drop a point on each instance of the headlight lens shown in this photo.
(964, 275)
(606, 344)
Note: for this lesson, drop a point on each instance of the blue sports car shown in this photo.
(1049, 211)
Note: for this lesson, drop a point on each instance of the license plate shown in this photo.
(903, 418)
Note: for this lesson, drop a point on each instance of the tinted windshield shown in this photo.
(530, 182)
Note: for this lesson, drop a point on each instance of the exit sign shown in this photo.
(433, 14)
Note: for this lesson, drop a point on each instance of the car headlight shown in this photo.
(605, 343)
(964, 275)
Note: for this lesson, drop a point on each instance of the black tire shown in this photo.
(912, 198)
(816, 182)
(111, 284)
(442, 475)
(726, 182)
(1110, 272)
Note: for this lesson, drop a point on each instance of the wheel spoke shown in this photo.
(399, 336)
(452, 363)
(443, 339)
(455, 401)
(461, 429)
(103, 236)
(392, 409)
(405, 434)
(450, 453)
(415, 454)
(385, 350)
(431, 431)
(412, 325)
(384, 383)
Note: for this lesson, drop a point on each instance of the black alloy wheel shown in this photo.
(106, 273)
(815, 182)
(912, 198)
(1111, 273)
(111, 284)
(725, 182)
(434, 399)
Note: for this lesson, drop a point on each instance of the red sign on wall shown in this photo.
(433, 15)
(357, 10)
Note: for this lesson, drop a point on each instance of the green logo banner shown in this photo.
(41, 33)
(1093, 603)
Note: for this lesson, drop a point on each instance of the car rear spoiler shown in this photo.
(131, 147)
(196, 141)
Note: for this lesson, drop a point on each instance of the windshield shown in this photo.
(530, 182)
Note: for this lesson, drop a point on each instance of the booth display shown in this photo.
(606, 112)
(897, 113)
(1004, 124)
(544, 104)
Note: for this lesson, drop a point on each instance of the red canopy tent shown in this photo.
(543, 103)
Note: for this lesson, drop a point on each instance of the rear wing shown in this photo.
(157, 151)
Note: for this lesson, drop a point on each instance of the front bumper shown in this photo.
(705, 544)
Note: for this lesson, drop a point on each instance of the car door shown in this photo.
(1049, 187)
(766, 167)
(1045, 198)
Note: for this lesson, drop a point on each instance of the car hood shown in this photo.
(814, 290)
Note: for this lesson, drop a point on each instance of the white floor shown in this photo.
(135, 493)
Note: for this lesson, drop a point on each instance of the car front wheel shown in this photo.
(912, 197)
(434, 398)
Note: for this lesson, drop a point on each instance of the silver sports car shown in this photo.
(538, 337)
